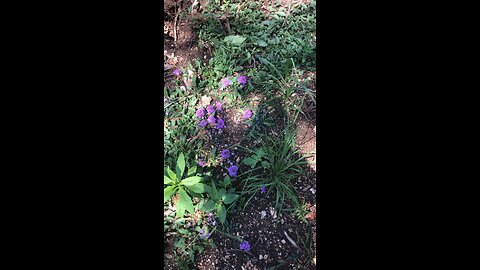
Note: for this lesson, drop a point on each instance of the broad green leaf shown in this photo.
(167, 180)
(171, 174)
(214, 193)
(180, 166)
(229, 198)
(235, 40)
(227, 181)
(260, 153)
(198, 188)
(250, 162)
(192, 171)
(168, 192)
(221, 212)
(208, 206)
(265, 164)
(221, 193)
(191, 180)
(184, 201)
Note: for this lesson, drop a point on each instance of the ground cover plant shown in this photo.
(239, 135)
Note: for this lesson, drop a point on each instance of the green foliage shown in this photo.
(218, 199)
(177, 184)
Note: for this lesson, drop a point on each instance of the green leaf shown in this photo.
(260, 153)
(168, 192)
(229, 198)
(261, 43)
(180, 243)
(208, 206)
(250, 162)
(166, 180)
(221, 193)
(198, 188)
(235, 40)
(184, 201)
(227, 181)
(180, 167)
(265, 164)
(192, 171)
(191, 180)
(171, 174)
(221, 212)
(214, 193)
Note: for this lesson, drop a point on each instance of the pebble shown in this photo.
(260, 257)
(283, 241)
(312, 190)
(263, 213)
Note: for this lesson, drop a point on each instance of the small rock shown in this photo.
(260, 257)
(263, 213)
(312, 190)
(283, 241)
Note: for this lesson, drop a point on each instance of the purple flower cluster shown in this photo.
(247, 114)
(211, 219)
(232, 171)
(210, 113)
(242, 80)
(201, 162)
(226, 82)
(245, 246)
(263, 189)
(225, 154)
(177, 72)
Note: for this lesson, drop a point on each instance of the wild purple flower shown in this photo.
(202, 123)
(225, 153)
(245, 246)
(200, 112)
(211, 219)
(225, 82)
(203, 235)
(211, 119)
(233, 170)
(218, 105)
(210, 109)
(242, 80)
(201, 162)
(247, 114)
(263, 189)
(220, 123)
(177, 72)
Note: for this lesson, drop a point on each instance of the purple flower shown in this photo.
(211, 219)
(203, 235)
(263, 189)
(201, 162)
(211, 119)
(247, 114)
(177, 72)
(242, 80)
(200, 112)
(218, 105)
(233, 170)
(225, 82)
(245, 246)
(225, 153)
(202, 123)
(210, 109)
(220, 123)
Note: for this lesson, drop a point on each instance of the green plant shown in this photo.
(177, 184)
(218, 199)
(275, 164)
